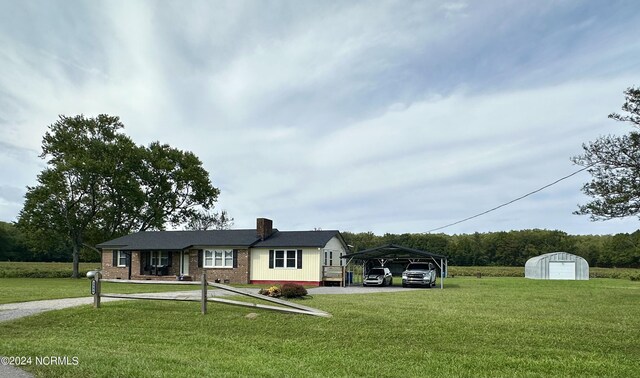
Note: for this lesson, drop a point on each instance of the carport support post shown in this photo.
(204, 293)
(442, 274)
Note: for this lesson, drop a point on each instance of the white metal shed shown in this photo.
(557, 266)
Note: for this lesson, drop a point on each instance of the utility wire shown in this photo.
(510, 202)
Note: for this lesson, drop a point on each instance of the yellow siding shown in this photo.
(311, 269)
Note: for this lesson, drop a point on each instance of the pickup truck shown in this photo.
(419, 274)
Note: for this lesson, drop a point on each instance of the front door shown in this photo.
(184, 265)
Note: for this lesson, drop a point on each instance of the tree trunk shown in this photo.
(76, 261)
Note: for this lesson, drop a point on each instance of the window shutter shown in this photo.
(299, 256)
(127, 259)
(235, 258)
(147, 260)
(271, 259)
(115, 258)
(200, 257)
(170, 253)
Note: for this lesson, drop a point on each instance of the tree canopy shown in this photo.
(99, 184)
(511, 248)
(208, 220)
(614, 164)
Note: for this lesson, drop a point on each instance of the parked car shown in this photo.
(378, 276)
(419, 274)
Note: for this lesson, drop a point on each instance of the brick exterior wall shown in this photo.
(113, 272)
(239, 275)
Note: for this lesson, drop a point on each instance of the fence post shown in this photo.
(204, 293)
(96, 295)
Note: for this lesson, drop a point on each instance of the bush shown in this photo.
(273, 291)
(293, 290)
(287, 290)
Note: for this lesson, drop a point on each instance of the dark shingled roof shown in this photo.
(298, 239)
(177, 240)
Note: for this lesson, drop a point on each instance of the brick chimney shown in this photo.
(264, 227)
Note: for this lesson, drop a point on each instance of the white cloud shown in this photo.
(391, 117)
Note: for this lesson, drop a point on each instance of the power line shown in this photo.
(510, 202)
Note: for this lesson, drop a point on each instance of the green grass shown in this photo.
(490, 327)
(31, 289)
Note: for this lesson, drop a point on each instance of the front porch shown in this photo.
(172, 265)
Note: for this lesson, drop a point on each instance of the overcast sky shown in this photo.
(375, 116)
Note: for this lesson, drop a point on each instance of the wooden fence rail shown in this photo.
(295, 308)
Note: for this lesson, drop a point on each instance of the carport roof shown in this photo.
(392, 251)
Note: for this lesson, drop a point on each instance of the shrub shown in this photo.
(293, 290)
(273, 291)
(287, 290)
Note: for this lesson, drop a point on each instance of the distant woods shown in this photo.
(512, 248)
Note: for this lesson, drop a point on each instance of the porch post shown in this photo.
(204, 293)
(130, 263)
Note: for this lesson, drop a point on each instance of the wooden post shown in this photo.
(204, 293)
(96, 295)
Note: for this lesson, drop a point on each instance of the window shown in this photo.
(287, 259)
(218, 258)
(329, 257)
(122, 258)
(159, 258)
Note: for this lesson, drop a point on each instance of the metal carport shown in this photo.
(392, 252)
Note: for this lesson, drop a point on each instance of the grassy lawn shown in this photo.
(489, 327)
(33, 289)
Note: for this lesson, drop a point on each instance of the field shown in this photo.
(64, 270)
(518, 271)
(489, 327)
(10, 269)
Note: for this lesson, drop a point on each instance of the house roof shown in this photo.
(298, 239)
(178, 240)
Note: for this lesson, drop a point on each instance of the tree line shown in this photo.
(512, 248)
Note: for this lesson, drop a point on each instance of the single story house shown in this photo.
(261, 255)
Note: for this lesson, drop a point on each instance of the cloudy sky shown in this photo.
(375, 116)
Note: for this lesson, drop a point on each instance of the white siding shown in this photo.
(336, 250)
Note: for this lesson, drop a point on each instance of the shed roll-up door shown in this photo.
(562, 270)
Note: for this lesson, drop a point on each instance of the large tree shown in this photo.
(614, 164)
(208, 220)
(99, 184)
